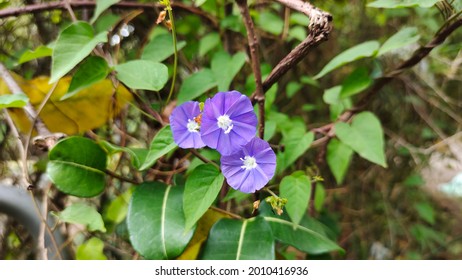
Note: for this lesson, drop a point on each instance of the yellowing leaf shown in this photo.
(90, 108)
(200, 235)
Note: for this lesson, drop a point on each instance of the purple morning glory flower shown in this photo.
(228, 122)
(250, 168)
(185, 125)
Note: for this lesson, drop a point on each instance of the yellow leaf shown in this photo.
(200, 235)
(88, 109)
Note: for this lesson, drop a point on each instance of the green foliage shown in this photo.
(356, 82)
(74, 43)
(366, 49)
(156, 222)
(160, 145)
(39, 52)
(364, 136)
(13, 100)
(92, 70)
(225, 68)
(80, 213)
(160, 48)
(196, 84)
(240, 240)
(296, 141)
(142, 74)
(101, 6)
(297, 189)
(402, 38)
(270, 22)
(169, 203)
(392, 4)
(204, 182)
(77, 166)
(338, 159)
(308, 236)
(92, 249)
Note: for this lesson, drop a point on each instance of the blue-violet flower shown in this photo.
(228, 122)
(251, 167)
(185, 125)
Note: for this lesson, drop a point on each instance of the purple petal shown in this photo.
(250, 180)
(179, 119)
(239, 110)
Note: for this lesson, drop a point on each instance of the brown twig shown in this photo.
(319, 29)
(121, 178)
(255, 58)
(61, 5)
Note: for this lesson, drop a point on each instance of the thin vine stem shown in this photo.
(175, 52)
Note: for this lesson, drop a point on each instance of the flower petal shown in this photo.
(179, 119)
(239, 109)
(250, 180)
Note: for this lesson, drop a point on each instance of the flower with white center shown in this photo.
(228, 122)
(251, 168)
(185, 125)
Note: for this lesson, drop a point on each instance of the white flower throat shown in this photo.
(249, 162)
(193, 126)
(225, 123)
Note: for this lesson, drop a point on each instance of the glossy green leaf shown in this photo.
(356, 82)
(338, 159)
(39, 52)
(142, 74)
(364, 136)
(13, 100)
(208, 42)
(270, 22)
(225, 67)
(155, 221)
(309, 236)
(160, 48)
(77, 166)
(80, 213)
(240, 240)
(402, 38)
(74, 43)
(101, 6)
(362, 50)
(201, 189)
(296, 142)
(296, 188)
(92, 70)
(392, 4)
(196, 85)
(92, 249)
(160, 145)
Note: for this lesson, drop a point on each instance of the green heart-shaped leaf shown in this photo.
(143, 74)
(297, 189)
(74, 43)
(364, 136)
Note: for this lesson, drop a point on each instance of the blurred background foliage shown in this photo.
(410, 210)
